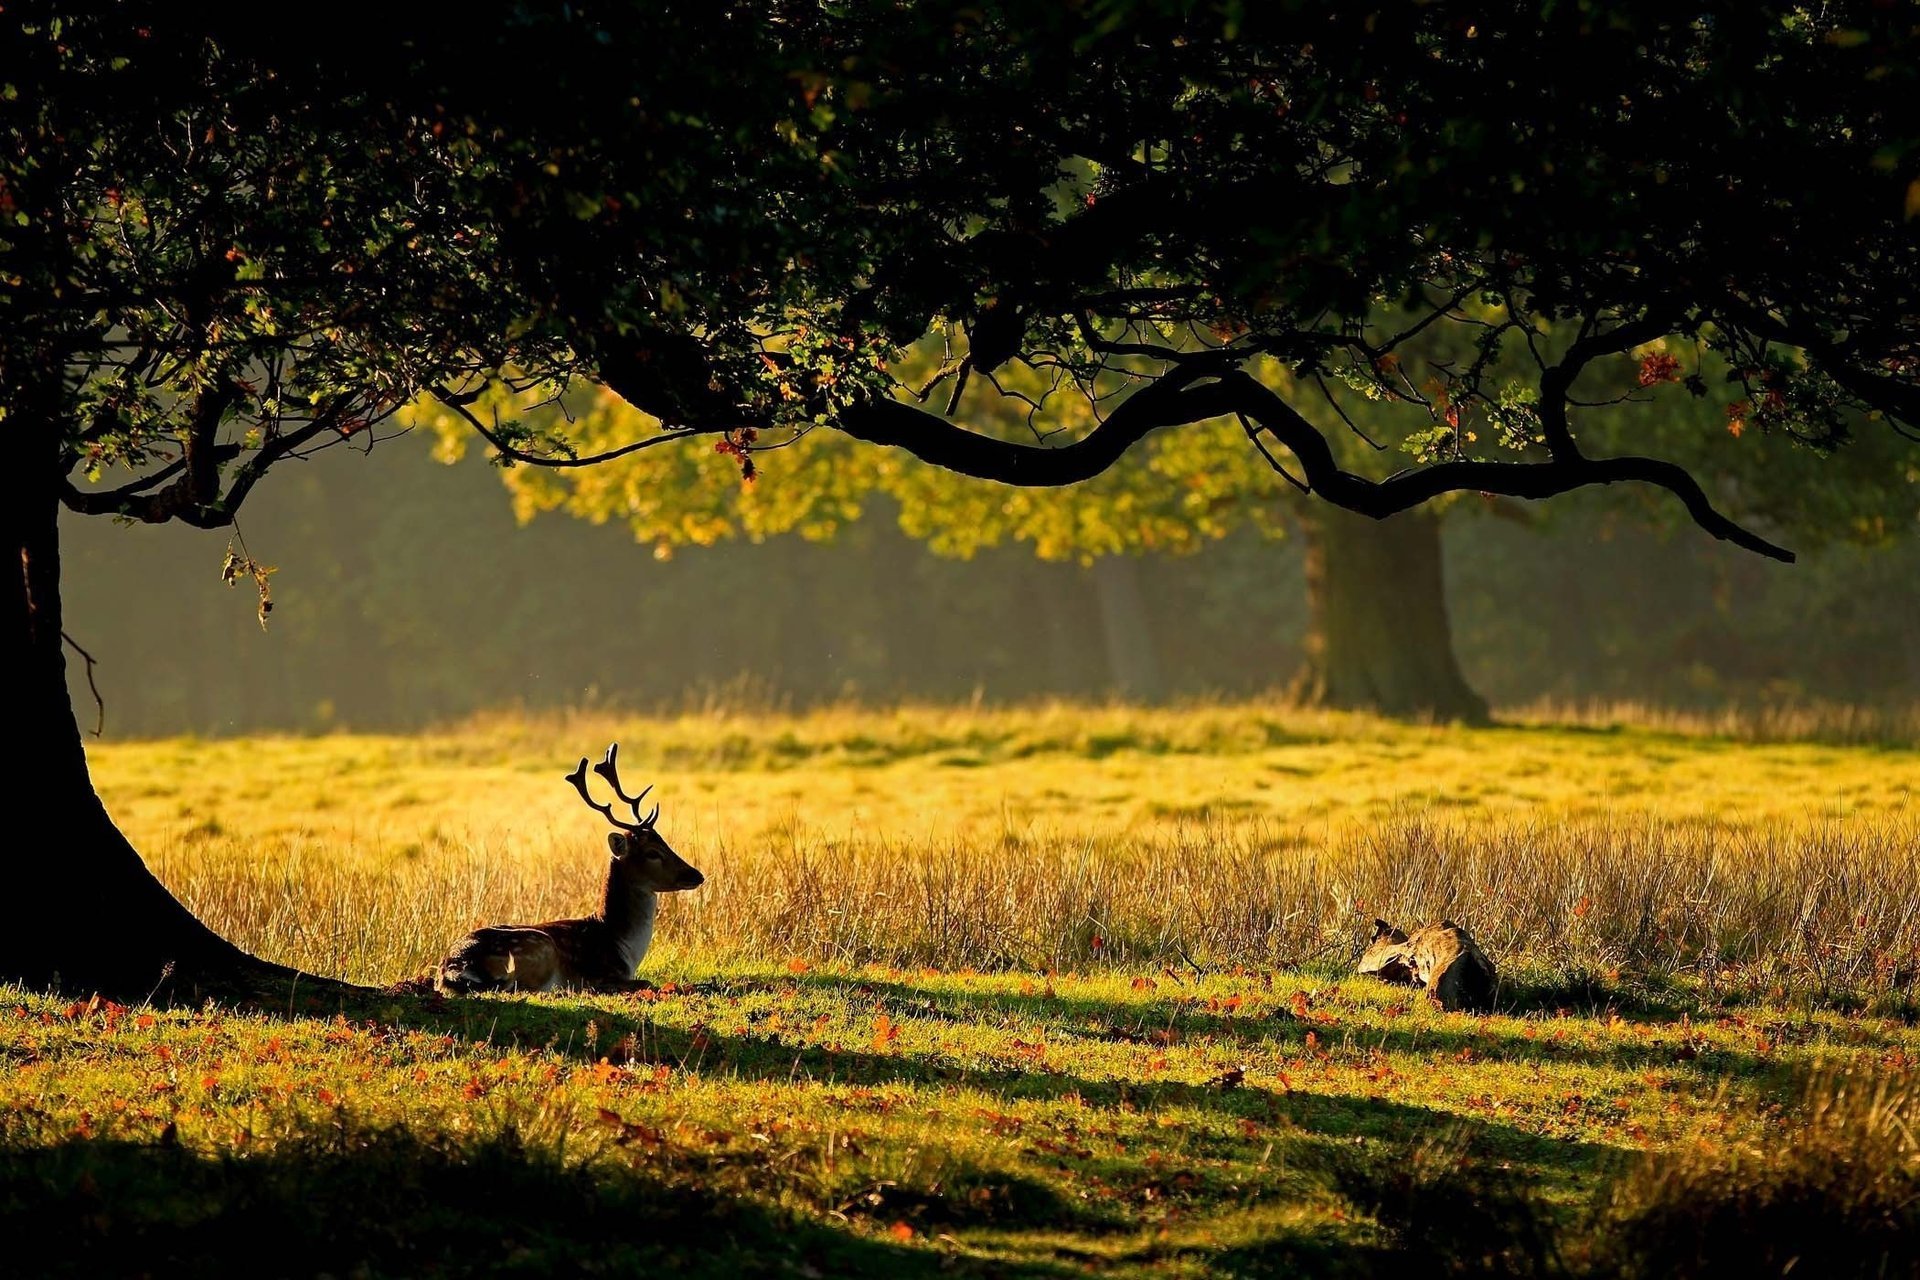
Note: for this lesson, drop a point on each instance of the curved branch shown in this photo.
(1534, 480)
(1557, 380)
(1173, 400)
(1180, 398)
(493, 438)
(180, 500)
(95, 502)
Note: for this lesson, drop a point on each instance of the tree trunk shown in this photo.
(84, 913)
(1378, 638)
(1132, 659)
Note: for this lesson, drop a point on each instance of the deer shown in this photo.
(1442, 957)
(599, 952)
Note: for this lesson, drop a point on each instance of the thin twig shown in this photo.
(533, 459)
(99, 703)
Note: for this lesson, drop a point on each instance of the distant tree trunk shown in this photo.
(1052, 590)
(83, 911)
(1378, 638)
(1132, 659)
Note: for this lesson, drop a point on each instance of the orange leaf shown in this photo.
(144, 1021)
(885, 1031)
(1583, 906)
(900, 1231)
(1657, 368)
(797, 965)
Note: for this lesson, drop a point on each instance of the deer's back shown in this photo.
(1446, 960)
(550, 956)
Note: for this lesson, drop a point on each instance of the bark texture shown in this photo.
(1378, 636)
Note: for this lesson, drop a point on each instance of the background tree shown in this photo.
(229, 247)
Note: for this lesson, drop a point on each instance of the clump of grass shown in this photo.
(1445, 1211)
(1832, 1190)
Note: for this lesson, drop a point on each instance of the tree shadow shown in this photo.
(1154, 1021)
(1302, 1118)
(588, 1030)
(393, 1202)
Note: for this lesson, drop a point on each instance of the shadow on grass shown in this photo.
(393, 1203)
(1440, 1210)
(588, 1031)
(1305, 1119)
(1150, 1022)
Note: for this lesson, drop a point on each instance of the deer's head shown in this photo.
(641, 854)
(1386, 954)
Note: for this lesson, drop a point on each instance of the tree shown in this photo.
(218, 256)
(229, 247)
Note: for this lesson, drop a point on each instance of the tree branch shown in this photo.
(95, 502)
(1557, 380)
(1172, 400)
(1179, 398)
(1896, 397)
(1533, 480)
(99, 703)
(220, 513)
(458, 405)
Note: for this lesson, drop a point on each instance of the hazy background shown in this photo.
(407, 594)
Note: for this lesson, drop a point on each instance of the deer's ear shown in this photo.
(617, 841)
(1381, 928)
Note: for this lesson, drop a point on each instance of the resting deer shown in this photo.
(599, 952)
(1442, 957)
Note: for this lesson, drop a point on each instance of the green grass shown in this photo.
(1080, 1005)
(867, 1120)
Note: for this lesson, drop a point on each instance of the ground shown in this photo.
(1009, 992)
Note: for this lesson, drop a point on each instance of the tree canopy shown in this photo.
(227, 242)
(240, 247)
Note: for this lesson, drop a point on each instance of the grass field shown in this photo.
(1041, 991)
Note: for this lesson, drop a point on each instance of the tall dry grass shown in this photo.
(1823, 907)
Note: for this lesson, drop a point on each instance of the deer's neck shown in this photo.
(630, 912)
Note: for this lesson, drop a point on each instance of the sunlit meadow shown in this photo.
(1028, 991)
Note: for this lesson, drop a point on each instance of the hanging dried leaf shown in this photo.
(238, 564)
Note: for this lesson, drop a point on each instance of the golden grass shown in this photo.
(1067, 836)
(1032, 991)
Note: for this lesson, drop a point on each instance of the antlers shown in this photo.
(609, 769)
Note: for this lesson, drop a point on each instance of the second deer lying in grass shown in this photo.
(595, 953)
(1442, 957)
